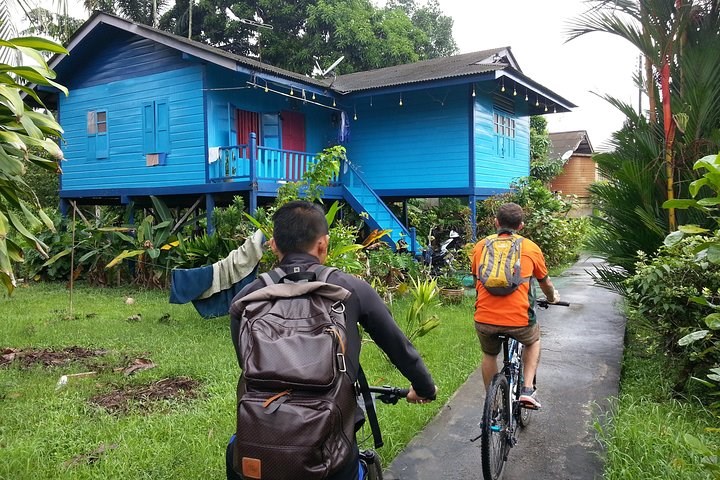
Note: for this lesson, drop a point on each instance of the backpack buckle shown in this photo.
(341, 361)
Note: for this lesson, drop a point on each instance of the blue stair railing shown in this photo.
(363, 199)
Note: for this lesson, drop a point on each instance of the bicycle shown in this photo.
(502, 412)
(370, 462)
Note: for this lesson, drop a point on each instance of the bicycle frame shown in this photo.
(512, 358)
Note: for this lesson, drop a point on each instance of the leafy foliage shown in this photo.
(367, 36)
(22, 128)
(542, 166)
(418, 320)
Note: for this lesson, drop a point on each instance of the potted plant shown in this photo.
(451, 288)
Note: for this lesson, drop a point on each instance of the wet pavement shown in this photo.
(578, 375)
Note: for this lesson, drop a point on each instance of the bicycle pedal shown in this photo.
(529, 406)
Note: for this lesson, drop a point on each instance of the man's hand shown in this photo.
(554, 298)
(413, 397)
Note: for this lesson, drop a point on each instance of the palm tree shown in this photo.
(657, 28)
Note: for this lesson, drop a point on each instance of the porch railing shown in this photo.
(251, 162)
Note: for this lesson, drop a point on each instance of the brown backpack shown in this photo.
(296, 402)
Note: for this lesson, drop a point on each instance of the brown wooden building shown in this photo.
(579, 171)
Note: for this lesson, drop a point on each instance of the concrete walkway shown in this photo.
(579, 371)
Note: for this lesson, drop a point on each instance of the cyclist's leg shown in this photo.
(491, 346)
(530, 338)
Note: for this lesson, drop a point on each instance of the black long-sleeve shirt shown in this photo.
(364, 307)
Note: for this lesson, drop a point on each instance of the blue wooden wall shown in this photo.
(493, 170)
(121, 80)
(423, 144)
(230, 88)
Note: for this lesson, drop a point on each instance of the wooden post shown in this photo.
(472, 201)
(253, 173)
(209, 207)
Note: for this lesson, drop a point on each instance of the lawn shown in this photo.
(86, 430)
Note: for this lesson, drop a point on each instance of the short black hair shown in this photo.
(510, 215)
(297, 225)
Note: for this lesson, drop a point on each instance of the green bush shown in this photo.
(661, 290)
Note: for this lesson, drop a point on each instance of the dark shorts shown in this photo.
(492, 345)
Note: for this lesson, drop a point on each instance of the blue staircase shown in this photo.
(363, 199)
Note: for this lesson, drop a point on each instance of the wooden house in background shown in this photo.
(151, 113)
(579, 171)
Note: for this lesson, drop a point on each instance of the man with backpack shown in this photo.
(296, 338)
(504, 266)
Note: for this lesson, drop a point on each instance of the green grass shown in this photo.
(645, 437)
(42, 429)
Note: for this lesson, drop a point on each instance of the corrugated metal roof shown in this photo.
(435, 69)
(576, 141)
(423, 72)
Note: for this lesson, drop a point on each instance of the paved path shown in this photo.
(579, 372)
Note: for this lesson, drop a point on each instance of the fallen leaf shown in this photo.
(91, 457)
(137, 365)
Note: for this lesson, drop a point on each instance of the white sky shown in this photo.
(536, 32)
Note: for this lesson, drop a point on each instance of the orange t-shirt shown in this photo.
(511, 310)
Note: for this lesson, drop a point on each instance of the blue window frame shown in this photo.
(97, 132)
(156, 127)
(504, 127)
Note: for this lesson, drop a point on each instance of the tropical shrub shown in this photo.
(661, 290)
(21, 129)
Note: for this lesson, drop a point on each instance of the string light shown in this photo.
(502, 89)
(526, 97)
(401, 104)
(266, 88)
(291, 90)
(333, 101)
(371, 101)
(473, 92)
(514, 91)
(537, 102)
(554, 109)
(313, 97)
(354, 113)
(546, 107)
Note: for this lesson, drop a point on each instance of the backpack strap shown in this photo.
(370, 408)
(273, 276)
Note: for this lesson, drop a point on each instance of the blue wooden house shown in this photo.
(151, 113)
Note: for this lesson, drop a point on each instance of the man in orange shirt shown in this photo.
(512, 314)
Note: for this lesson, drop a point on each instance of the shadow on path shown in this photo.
(579, 371)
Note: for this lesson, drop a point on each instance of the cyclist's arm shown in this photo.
(548, 289)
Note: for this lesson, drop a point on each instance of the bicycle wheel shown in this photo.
(494, 436)
(524, 414)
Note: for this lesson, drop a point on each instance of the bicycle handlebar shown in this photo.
(388, 394)
(543, 303)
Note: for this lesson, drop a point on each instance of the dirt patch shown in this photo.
(145, 397)
(46, 357)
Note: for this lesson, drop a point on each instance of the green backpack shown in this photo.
(499, 269)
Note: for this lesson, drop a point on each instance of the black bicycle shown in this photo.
(503, 413)
(370, 462)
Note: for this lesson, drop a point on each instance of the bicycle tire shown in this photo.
(524, 415)
(494, 443)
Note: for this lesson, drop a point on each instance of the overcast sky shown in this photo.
(536, 32)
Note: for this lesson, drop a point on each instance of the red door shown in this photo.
(293, 138)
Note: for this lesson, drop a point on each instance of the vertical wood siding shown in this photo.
(491, 169)
(579, 172)
(123, 100)
(422, 144)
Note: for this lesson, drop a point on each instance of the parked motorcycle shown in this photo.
(442, 257)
